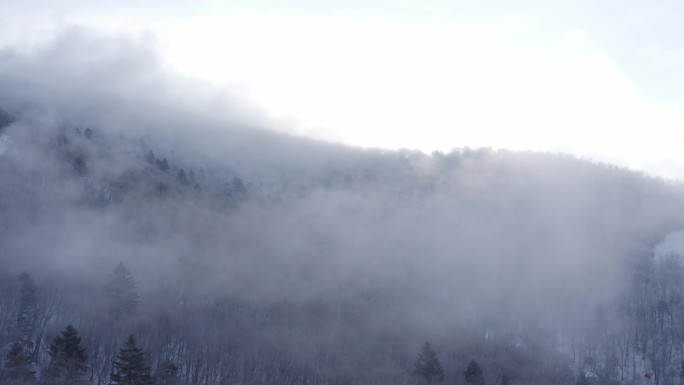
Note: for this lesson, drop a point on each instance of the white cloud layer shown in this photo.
(504, 82)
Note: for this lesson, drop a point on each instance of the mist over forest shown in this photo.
(195, 242)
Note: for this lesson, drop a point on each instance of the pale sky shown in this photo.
(601, 80)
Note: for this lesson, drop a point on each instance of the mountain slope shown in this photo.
(312, 262)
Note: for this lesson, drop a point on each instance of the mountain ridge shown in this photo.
(358, 255)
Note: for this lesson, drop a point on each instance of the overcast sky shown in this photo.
(599, 79)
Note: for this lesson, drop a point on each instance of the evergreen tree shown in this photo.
(17, 366)
(122, 291)
(68, 358)
(130, 366)
(161, 189)
(505, 380)
(182, 178)
(473, 374)
(79, 164)
(167, 373)
(163, 164)
(428, 367)
(150, 158)
(28, 310)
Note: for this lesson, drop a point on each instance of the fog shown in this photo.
(267, 258)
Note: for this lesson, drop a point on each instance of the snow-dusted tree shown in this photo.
(122, 291)
(427, 366)
(130, 366)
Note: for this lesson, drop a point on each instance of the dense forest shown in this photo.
(129, 255)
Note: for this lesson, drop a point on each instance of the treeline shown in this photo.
(536, 269)
(129, 340)
(641, 336)
(31, 358)
(110, 335)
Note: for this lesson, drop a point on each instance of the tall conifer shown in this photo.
(428, 367)
(122, 291)
(68, 357)
(130, 366)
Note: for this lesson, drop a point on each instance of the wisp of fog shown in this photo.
(255, 257)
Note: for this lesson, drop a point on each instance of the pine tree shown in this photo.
(473, 374)
(182, 178)
(505, 380)
(68, 357)
(130, 367)
(163, 164)
(150, 158)
(122, 291)
(17, 366)
(428, 367)
(167, 373)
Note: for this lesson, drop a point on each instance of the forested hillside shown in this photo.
(140, 251)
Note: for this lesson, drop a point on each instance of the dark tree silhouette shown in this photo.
(150, 158)
(182, 178)
(473, 374)
(17, 366)
(79, 164)
(163, 164)
(167, 373)
(130, 366)
(122, 291)
(428, 367)
(237, 189)
(68, 357)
